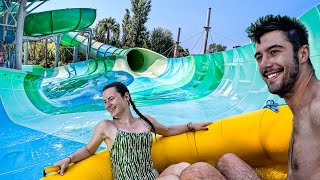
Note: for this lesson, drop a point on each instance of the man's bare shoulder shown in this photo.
(315, 108)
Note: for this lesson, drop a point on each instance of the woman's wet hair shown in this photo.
(122, 89)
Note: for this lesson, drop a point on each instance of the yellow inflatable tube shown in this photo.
(260, 138)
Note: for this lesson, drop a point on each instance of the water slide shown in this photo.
(46, 114)
(58, 21)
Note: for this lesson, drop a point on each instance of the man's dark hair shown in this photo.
(122, 89)
(295, 32)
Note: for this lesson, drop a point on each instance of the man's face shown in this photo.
(278, 66)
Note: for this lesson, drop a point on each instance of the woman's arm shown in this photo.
(86, 151)
(177, 129)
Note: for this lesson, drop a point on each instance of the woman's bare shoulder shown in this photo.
(149, 117)
(106, 123)
(106, 128)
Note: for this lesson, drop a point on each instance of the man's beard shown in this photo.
(288, 80)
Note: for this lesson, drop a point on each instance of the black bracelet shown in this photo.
(190, 128)
(70, 159)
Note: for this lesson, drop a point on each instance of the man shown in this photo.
(282, 54)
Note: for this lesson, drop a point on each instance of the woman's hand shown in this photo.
(63, 164)
(198, 126)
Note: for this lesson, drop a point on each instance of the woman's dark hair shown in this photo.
(122, 89)
(295, 32)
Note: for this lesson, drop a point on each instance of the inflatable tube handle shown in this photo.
(50, 169)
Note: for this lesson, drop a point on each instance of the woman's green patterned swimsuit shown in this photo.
(131, 156)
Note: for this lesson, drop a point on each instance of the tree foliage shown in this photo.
(66, 55)
(216, 48)
(108, 31)
(183, 52)
(161, 41)
(126, 29)
(37, 56)
(134, 30)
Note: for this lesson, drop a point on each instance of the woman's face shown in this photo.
(115, 104)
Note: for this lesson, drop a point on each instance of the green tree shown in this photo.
(216, 48)
(37, 56)
(32, 48)
(183, 52)
(115, 39)
(65, 55)
(126, 30)
(36, 51)
(98, 35)
(137, 30)
(161, 41)
(107, 30)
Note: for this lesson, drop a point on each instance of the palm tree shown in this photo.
(104, 29)
(115, 35)
(108, 25)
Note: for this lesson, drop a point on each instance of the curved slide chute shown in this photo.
(58, 21)
(138, 59)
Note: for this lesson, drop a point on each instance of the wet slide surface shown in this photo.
(58, 21)
(46, 114)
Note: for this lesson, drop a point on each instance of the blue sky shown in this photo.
(229, 18)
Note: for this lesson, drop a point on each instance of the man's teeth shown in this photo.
(272, 75)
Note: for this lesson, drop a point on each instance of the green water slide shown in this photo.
(58, 21)
(139, 59)
(68, 20)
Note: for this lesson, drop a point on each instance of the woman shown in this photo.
(125, 132)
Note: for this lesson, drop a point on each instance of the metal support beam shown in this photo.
(5, 21)
(56, 59)
(10, 62)
(19, 34)
(36, 6)
(75, 54)
(8, 25)
(46, 53)
(89, 31)
(25, 53)
(6, 4)
(90, 35)
(30, 38)
(176, 48)
(207, 28)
